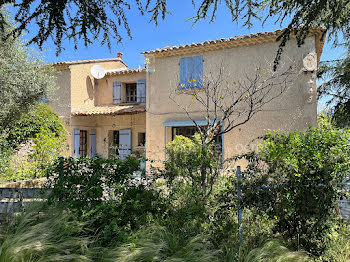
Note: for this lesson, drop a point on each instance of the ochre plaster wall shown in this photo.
(290, 111)
(60, 100)
(104, 90)
(103, 124)
(83, 85)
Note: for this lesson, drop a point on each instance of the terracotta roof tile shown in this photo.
(89, 61)
(109, 110)
(222, 40)
(124, 71)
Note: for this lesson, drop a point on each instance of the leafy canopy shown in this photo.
(99, 20)
(24, 79)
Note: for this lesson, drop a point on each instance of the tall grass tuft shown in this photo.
(274, 251)
(160, 244)
(41, 234)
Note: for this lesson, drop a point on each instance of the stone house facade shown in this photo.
(129, 110)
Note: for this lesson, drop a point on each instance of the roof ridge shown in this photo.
(222, 40)
(89, 61)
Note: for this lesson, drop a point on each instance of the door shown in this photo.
(124, 143)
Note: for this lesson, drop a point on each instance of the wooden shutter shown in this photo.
(184, 78)
(141, 91)
(197, 71)
(191, 68)
(76, 142)
(124, 143)
(92, 143)
(117, 92)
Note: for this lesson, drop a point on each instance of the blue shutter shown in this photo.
(124, 143)
(116, 92)
(92, 143)
(76, 142)
(191, 68)
(197, 71)
(141, 91)
(184, 78)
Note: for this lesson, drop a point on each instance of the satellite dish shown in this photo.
(97, 71)
(310, 62)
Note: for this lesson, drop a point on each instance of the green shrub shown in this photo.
(303, 171)
(192, 168)
(31, 144)
(40, 119)
(339, 249)
(106, 194)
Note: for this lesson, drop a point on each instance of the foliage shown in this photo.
(24, 79)
(43, 233)
(40, 120)
(89, 20)
(296, 178)
(336, 86)
(339, 249)
(274, 251)
(191, 167)
(32, 144)
(160, 244)
(83, 19)
(5, 156)
(105, 193)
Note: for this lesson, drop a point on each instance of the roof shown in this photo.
(109, 110)
(250, 39)
(123, 71)
(67, 63)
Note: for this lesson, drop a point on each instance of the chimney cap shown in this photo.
(120, 55)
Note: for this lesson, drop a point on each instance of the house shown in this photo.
(129, 110)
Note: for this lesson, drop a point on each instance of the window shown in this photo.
(191, 72)
(83, 143)
(189, 131)
(141, 139)
(131, 94)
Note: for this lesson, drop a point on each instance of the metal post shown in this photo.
(239, 193)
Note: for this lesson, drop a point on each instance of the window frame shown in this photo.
(140, 138)
(130, 97)
(83, 145)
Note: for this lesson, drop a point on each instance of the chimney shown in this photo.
(120, 55)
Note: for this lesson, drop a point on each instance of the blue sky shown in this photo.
(174, 30)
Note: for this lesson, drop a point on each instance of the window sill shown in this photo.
(189, 90)
(129, 103)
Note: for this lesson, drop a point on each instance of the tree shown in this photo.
(227, 104)
(91, 19)
(336, 86)
(24, 79)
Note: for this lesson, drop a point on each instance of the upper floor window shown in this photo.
(191, 72)
(129, 92)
